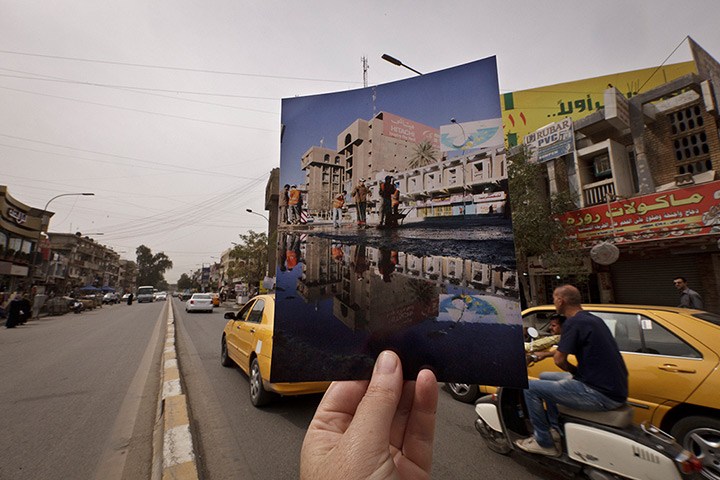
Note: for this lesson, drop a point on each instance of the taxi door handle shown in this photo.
(669, 367)
(252, 330)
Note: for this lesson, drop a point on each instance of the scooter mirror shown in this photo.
(532, 331)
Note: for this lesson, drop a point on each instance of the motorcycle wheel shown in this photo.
(495, 441)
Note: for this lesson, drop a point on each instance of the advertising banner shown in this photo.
(404, 129)
(526, 111)
(551, 141)
(472, 135)
(680, 213)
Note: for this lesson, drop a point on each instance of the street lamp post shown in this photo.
(33, 259)
(397, 62)
(256, 213)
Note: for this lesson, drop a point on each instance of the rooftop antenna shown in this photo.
(366, 67)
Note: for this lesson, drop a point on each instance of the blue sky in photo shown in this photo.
(467, 93)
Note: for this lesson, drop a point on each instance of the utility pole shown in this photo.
(366, 67)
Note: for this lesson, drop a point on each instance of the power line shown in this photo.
(170, 167)
(50, 78)
(138, 90)
(138, 110)
(183, 69)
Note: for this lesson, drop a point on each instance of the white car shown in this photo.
(199, 302)
(160, 296)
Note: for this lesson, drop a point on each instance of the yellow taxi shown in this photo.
(673, 359)
(247, 341)
(215, 299)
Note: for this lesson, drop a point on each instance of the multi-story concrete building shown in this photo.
(88, 262)
(127, 277)
(643, 172)
(323, 179)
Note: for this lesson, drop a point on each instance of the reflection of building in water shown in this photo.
(321, 273)
(381, 300)
(363, 299)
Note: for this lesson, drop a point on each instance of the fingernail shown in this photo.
(386, 362)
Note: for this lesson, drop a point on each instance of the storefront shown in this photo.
(20, 227)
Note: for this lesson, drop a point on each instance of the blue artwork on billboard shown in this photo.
(391, 239)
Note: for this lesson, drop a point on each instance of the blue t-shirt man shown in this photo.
(600, 364)
(598, 382)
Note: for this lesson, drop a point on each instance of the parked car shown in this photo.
(673, 359)
(199, 302)
(125, 297)
(111, 298)
(247, 341)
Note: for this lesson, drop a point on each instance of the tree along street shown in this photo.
(79, 394)
(238, 441)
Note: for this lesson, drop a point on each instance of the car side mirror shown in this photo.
(229, 316)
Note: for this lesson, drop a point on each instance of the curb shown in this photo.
(173, 454)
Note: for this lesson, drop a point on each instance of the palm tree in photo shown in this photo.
(424, 154)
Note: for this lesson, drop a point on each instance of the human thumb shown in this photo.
(375, 413)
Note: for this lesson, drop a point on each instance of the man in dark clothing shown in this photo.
(688, 298)
(14, 312)
(599, 380)
(386, 191)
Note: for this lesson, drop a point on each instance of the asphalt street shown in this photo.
(238, 441)
(78, 394)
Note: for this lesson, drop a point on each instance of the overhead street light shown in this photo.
(397, 62)
(256, 213)
(33, 259)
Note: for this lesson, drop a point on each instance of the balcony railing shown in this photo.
(596, 193)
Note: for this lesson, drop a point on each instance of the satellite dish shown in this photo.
(604, 253)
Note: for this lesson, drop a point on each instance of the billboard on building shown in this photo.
(471, 135)
(680, 213)
(525, 111)
(551, 141)
(347, 289)
(413, 132)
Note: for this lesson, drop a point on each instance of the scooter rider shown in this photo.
(599, 380)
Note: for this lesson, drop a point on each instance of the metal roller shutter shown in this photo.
(650, 281)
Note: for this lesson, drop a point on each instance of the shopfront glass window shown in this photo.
(3, 241)
(26, 246)
(14, 243)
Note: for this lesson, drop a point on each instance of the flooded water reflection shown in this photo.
(339, 302)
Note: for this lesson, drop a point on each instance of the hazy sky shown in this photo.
(169, 111)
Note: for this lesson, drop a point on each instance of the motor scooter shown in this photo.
(600, 445)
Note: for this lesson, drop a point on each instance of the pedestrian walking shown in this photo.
(283, 204)
(338, 203)
(688, 298)
(14, 310)
(360, 194)
(25, 308)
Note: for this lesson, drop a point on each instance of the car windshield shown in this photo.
(201, 297)
(145, 291)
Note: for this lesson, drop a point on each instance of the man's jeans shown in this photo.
(337, 215)
(560, 387)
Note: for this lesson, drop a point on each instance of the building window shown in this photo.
(601, 166)
(692, 152)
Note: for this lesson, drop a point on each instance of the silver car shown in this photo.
(199, 302)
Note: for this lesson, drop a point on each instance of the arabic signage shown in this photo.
(470, 135)
(404, 129)
(551, 141)
(525, 111)
(683, 212)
